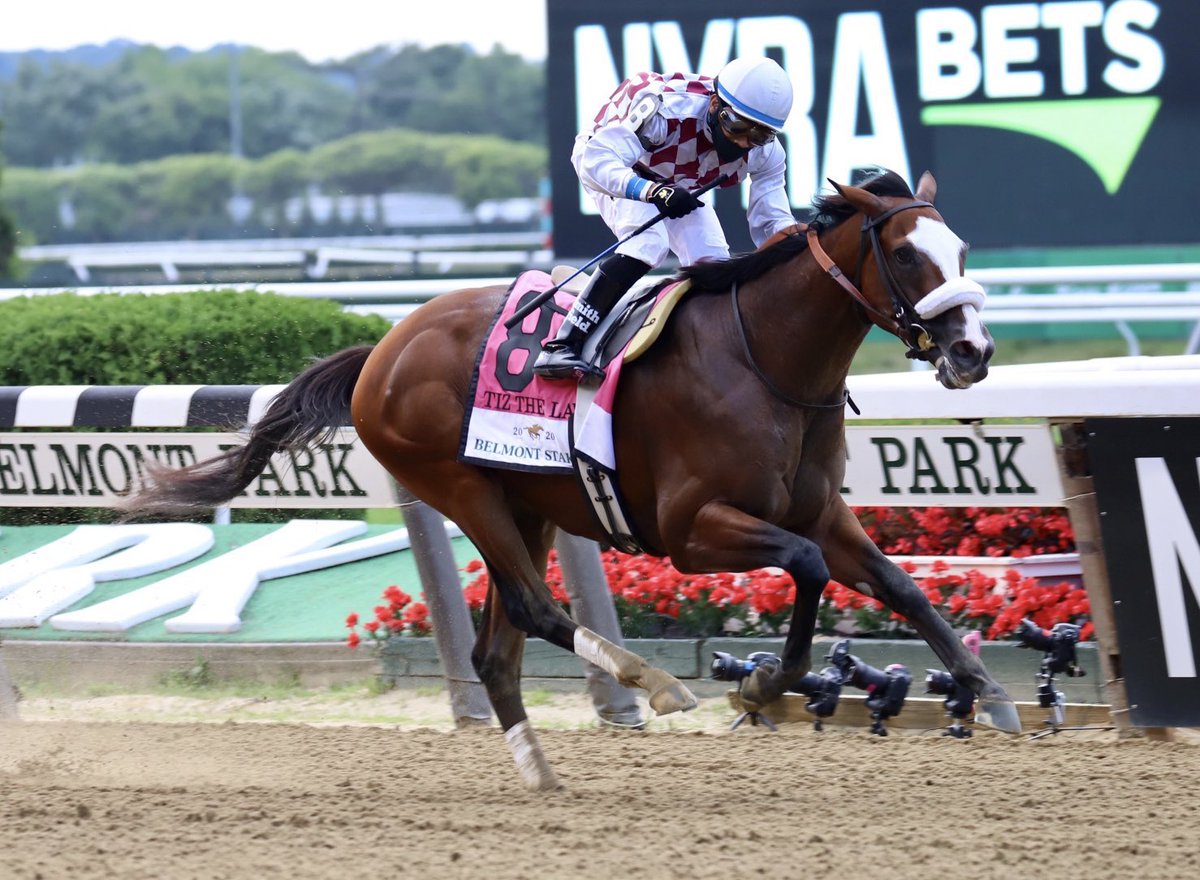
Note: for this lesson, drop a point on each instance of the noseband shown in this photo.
(903, 322)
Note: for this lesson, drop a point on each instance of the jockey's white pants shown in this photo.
(692, 239)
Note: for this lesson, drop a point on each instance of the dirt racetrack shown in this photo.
(240, 800)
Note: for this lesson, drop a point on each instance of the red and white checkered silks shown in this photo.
(687, 155)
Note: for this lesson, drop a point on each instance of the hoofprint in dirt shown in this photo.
(235, 800)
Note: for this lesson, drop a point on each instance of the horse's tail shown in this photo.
(309, 409)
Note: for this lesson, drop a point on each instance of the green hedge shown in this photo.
(220, 337)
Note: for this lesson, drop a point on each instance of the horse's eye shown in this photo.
(905, 256)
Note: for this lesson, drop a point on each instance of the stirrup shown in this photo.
(563, 363)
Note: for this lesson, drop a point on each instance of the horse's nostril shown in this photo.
(965, 351)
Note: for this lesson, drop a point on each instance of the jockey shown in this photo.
(659, 136)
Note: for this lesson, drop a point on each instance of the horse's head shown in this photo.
(919, 282)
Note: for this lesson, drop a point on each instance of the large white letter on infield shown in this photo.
(221, 587)
(1172, 544)
(37, 584)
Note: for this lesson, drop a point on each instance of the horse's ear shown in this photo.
(926, 188)
(869, 203)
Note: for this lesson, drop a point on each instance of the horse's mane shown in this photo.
(831, 210)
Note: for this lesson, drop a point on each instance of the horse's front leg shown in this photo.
(855, 561)
(723, 538)
(530, 608)
(522, 593)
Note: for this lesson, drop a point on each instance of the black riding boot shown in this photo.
(560, 356)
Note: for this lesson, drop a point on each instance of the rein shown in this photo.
(765, 379)
(902, 323)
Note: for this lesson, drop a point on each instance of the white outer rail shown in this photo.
(1132, 386)
(505, 249)
(394, 299)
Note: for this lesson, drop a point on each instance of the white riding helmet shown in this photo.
(758, 89)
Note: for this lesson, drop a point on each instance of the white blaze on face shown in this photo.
(944, 249)
(973, 328)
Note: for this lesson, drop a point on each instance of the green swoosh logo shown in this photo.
(1105, 133)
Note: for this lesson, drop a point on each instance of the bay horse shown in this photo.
(729, 438)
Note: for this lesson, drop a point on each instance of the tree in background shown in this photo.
(48, 110)
(188, 195)
(8, 231)
(128, 142)
(451, 89)
(146, 103)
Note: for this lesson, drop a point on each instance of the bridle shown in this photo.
(904, 321)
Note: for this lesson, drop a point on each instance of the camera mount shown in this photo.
(1057, 645)
(823, 688)
(886, 688)
(726, 667)
(959, 702)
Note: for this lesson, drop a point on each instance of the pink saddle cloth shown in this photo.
(516, 419)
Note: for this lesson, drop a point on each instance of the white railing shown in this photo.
(394, 299)
(1159, 273)
(1130, 386)
(439, 241)
(415, 253)
(170, 261)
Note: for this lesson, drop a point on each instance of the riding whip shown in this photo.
(537, 301)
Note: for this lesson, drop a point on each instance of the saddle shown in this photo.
(628, 332)
(634, 323)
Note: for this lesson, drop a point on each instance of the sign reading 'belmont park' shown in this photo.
(961, 466)
(1001, 466)
(92, 470)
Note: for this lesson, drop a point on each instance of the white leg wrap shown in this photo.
(618, 662)
(588, 645)
(527, 752)
(666, 693)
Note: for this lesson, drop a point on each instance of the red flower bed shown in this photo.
(400, 616)
(653, 599)
(968, 531)
(971, 600)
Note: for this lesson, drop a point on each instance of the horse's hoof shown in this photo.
(750, 707)
(999, 714)
(546, 782)
(535, 770)
(672, 697)
(762, 687)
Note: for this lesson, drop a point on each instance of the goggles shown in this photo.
(756, 133)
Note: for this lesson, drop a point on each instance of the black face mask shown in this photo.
(727, 150)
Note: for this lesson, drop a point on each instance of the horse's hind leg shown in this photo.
(480, 508)
(497, 659)
(499, 647)
(488, 520)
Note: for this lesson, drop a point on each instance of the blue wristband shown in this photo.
(636, 188)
